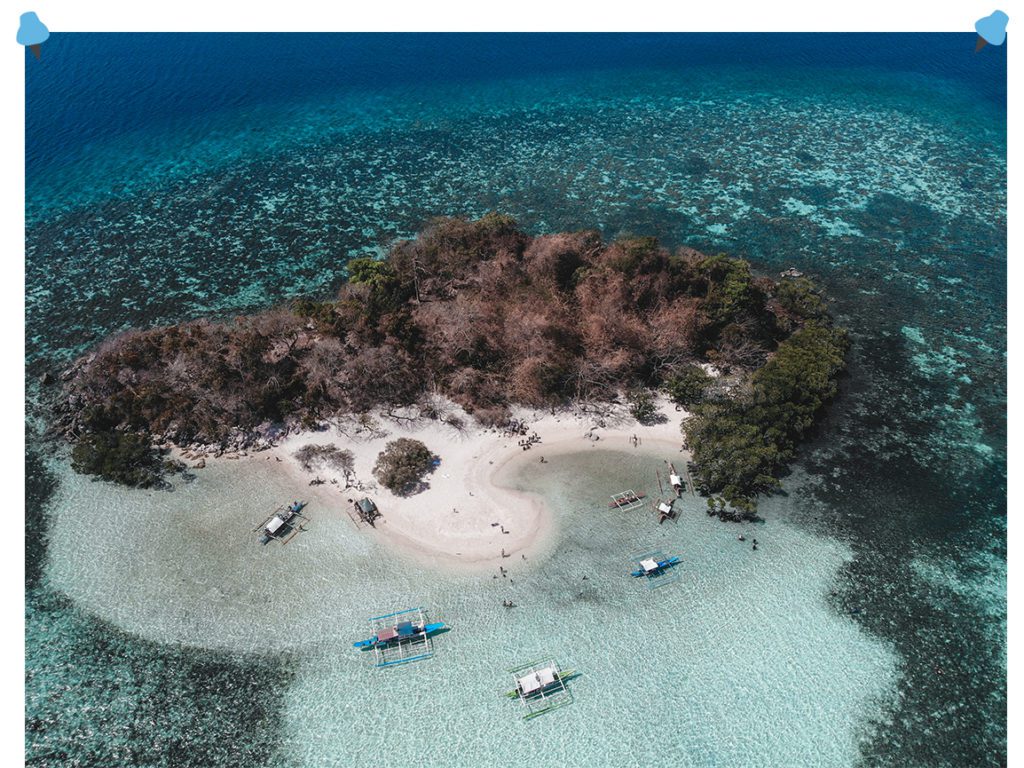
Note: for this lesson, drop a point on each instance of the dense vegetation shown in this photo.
(476, 311)
(403, 464)
(688, 386)
(739, 444)
(122, 457)
(642, 407)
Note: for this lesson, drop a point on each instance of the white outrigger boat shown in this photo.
(282, 524)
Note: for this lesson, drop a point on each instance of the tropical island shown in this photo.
(469, 322)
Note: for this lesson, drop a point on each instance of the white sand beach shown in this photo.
(187, 565)
(468, 516)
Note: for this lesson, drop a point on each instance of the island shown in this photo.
(477, 329)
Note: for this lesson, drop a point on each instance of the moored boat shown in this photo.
(540, 687)
(626, 499)
(399, 633)
(652, 567)
(280, 522)
(540, 681)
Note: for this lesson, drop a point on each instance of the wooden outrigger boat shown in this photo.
(676, 481)
(282, 523)
(364, 511)
(403, 630)
(666, 511)
(626, 500)
(540, 687)
(651, 566)
(400, 637)
(534, 683)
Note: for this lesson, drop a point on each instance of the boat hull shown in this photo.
(561, 678)
(428, 630)
(662, 566)
(625, 500)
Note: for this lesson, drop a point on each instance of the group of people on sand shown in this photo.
(515, 427)
(529, 442)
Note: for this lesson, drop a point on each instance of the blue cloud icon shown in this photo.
(992, 28)
(32, 32)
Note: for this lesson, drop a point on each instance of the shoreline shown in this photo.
(470, 516)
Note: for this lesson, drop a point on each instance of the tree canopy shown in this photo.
(403, 464)
(477, 311)
(739, 445)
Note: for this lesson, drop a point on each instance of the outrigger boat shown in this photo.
(539, 681)
(400, 632)
(676, 481)
(626, 500)
(540, 687)
(653, 567)
(401, 637)
(281, 522)
(666, 511)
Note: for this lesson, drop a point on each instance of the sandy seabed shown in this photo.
(744, 653)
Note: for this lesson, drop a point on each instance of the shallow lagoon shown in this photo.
(743, 661)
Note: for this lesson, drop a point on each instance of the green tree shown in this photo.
(801, 297)
(739, 445)
(641, 406)
(403, 464)
(387, 291)
(687, 387)
(730, 290)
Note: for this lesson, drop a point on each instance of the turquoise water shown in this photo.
(742, 661)
(229, 182)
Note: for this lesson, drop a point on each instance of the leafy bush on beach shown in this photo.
(313, 457)
(642, 407)
(403, 464)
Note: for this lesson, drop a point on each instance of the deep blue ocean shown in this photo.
(178, 176)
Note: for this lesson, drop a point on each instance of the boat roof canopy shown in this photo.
(537, 680)
(650, 564)
(274, 524)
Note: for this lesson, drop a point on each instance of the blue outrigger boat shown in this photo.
(400, 637)
(655, 566)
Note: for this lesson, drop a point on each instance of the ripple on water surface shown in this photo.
(742, 662)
